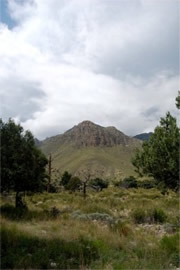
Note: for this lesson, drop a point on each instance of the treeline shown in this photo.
(75, 183)
(23, 165)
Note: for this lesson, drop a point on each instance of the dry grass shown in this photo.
(121, 244)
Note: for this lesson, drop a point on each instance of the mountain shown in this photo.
(37, 142)
(143, 136)
(106, 151)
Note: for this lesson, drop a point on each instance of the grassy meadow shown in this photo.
(112, 229)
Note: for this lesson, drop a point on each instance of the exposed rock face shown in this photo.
(90, 134)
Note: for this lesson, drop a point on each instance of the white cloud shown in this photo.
(112, 62)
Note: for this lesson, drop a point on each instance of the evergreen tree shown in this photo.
(22, 163)
(159, 156)
(66, 177)
(178, 100)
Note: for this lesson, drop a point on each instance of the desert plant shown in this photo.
(98, 184)
(171, 245)
(74, 184)
(158, 215)
(155, 215)
(121, 227)
(139, 215)
(66, 177)
(129, 182)
(147, 184)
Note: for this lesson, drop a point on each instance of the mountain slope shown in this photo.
(143, 136)
(105, 151)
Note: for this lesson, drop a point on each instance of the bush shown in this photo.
(159, 216)
(171, 245)
(147, 184)
(53, 188)
(129, 182)
(66, 177)
(149, 216)
(121, 228)
(98, 184)
(139, 216)
(102, 217)
(55, 212)
(74, 184)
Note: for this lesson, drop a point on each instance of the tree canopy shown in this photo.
(22, 163)
(159, 156)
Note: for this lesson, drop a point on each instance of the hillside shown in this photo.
(106, 151)
(143, 136)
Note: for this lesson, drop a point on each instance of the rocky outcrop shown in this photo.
(89, 134)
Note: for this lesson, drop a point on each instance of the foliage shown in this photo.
(102, 217)
(129, 182)
(65, 179)
(118, 241)
(23, 251)
(98, 184)
(121, 227)
(147, 184)
(178, 100)
(159, 156)
(158, 215)
(155, 215)
(139, 216)
(23, 164)
(74, 184)
(171, 245)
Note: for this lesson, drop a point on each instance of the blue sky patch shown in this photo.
(5, 16)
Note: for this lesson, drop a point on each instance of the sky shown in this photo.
(113, 62)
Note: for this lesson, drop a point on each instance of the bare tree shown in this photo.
(85, 175)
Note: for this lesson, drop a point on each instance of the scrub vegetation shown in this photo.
(115, 228)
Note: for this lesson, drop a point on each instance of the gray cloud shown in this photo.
(112, 62)
(20, 99)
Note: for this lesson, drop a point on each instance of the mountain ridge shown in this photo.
(106, 151)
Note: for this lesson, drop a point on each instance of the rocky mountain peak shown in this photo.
(88, 133)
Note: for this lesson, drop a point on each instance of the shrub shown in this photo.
(65, 179)
(53, 188)
(74, 184)
(149, 216)
(98, 184)
(129, 182)
(171, 245)
(55, 212)
(121, 227)
(139, 216)
(102, 217)
(158, 215)
(147, 184)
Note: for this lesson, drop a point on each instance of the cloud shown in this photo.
(112, 62)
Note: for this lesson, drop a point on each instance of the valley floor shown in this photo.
(112, 229)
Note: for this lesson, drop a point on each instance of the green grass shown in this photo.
(99, 232)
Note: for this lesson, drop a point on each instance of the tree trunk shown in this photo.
(49, 178)
(19, 203)
(84, 190)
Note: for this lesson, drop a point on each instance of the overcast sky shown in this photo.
(114, 62)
